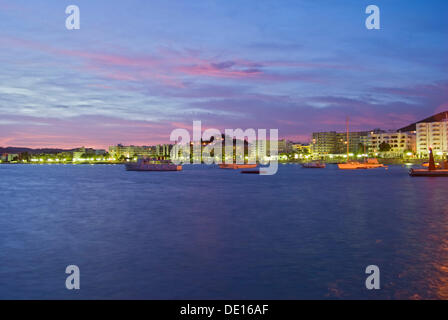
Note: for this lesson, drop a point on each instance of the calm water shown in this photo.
(206, 233)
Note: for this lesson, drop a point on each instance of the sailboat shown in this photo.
(354, 165)
(373, 163)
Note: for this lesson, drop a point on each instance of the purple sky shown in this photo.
(138, 69)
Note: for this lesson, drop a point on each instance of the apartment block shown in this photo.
(333, 142)
(399, 142)
(131, 151)
(434, 135)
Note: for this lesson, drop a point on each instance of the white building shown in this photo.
(399, 142)
(131, 151)
(434, 135)
(261, 149)
(9, 157)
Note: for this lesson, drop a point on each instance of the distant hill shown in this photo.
(435, 118)
(32, 151)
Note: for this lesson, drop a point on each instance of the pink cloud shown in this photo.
(89, 131)
(209, 70)
(171, 68)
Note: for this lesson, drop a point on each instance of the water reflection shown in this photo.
(216, 234)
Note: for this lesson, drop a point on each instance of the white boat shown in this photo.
(314, 165)
(145, 164)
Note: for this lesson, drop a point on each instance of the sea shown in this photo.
(209, 233)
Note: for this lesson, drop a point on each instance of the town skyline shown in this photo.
(433, 118)
(136, 71)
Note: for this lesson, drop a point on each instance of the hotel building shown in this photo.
(434, 135)
(284, 146)
(399, 142)
(163, 150)
(131, 151)
(333, 142)
(301, 148)
(261, 149)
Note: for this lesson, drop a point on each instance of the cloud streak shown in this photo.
(281, 68)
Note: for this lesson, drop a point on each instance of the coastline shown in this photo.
(381, 160)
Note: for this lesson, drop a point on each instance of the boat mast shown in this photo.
(346, 120)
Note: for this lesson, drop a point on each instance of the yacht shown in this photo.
(373, 163)
(354, 165)
(237, 166)
(314, 165)
(433, 170)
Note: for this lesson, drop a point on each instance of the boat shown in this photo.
(237, 166)
(148, 164)
(426, 165)
(371, 163)
(432, 171)
(250, 171)
(428, 173)
(314, 165)
(368, 164)
(352, 165)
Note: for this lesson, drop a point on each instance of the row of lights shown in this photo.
(74, 160)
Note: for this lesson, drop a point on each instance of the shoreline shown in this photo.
(382, 161)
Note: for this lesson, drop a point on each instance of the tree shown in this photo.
(385, 147)
(25, 156)
(361, 148)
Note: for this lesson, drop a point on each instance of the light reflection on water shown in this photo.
(210, 233)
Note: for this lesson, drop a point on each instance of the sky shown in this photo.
(136, 70)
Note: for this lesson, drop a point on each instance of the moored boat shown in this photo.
(428, 173)
(432, 171)
(373, 163)
(355, 165)
(314, 165)
(369, 164)
(145, 164)
(237, 166)
(426, 165)
(250, 171)
(352, 165)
